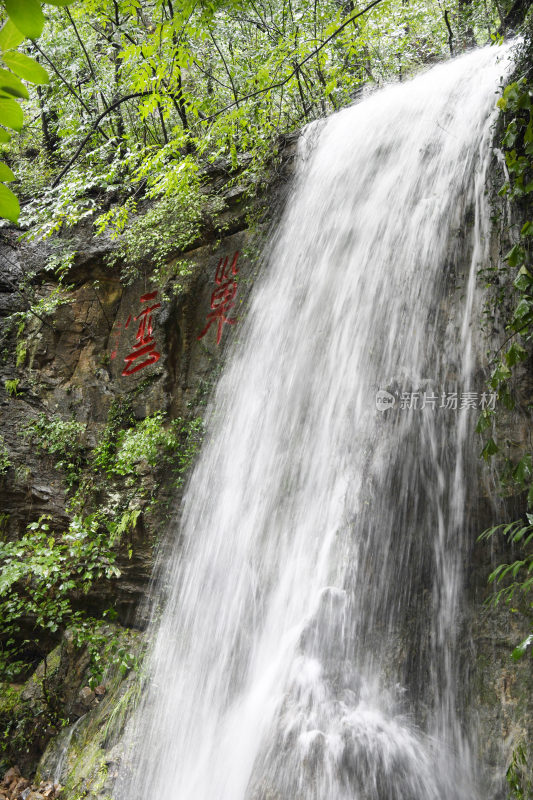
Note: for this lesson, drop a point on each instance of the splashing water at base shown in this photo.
(307, 644)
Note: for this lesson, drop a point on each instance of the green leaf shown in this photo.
(484, 421)
(11, 114)
(5, 173)
(505, 397)
(522, 470)
(523, 280)
(521, 314)
(504, 190)
(490, 449)
(11, 85)
(515, 354)
(4, 136)
(515, 256)
(500, 374)
(9, 205)
(27, 16)
(58, 3)
(527, 229)
(10, 36)
(519, 651)
(25, 67)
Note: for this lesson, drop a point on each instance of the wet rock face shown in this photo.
(79, 359)
(498, 690)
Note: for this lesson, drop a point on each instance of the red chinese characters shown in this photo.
(223, 296)
(143, 352)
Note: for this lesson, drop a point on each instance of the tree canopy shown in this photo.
(128, 99)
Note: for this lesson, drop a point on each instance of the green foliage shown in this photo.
(5, 461)
(63, 439)
(25, 19)
(60, 263)
(21, 351)
(46, 571)
(519, 783)
(39, 306)
(119, 418)
(152, 442)
(143, 442)
(516, 578)
(40, 573)
(517, 109)
(513, 582)
(23, 722)
(189, 436)
(88, 188)
(27, 16)
(11, 386)
(179, 210)
(104, 649)
(141, 102)
(151, 238)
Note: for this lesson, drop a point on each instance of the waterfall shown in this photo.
(307, 647)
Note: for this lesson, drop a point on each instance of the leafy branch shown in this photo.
(26, 19)
(94, 126)
(297, 67)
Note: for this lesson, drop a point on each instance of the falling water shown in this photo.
(307, 648)
(63, 742)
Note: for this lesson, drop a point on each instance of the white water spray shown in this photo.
(307, 645)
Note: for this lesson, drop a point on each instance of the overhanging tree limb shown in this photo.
(297, 67)
(93, 128)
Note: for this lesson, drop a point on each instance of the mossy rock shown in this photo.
(84, 757)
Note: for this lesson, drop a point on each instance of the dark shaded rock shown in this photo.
(86, 699)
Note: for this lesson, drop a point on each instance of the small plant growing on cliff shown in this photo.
(120, 417)
(11, 387)
(515, 578)
(518, 780)
(62, 439)
(152, 441)
(169, 227)
(5, 461)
